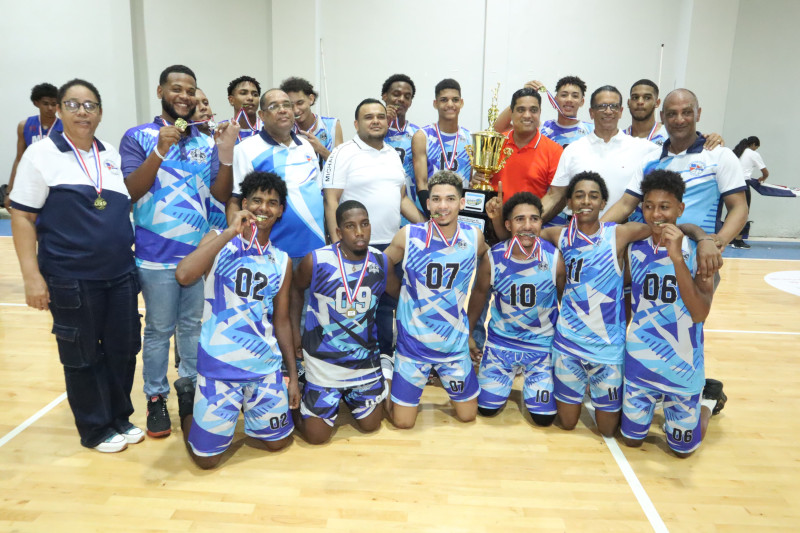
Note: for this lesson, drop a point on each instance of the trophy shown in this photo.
(487, 155)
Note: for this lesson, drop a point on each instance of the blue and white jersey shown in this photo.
(237, 341)
(564, 135)
(592, 320)
(524, 307)
(216, 214)
(325, 131)
(439, 159)
(400, 140)
(709, 176)
(33, 131)
(172, 216)
(342, 351)
(301, 228)
(659, 137)
(664, 351)
(75, 239)
(432, 322)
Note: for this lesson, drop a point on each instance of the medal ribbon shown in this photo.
(311, 129)
(431, 227)
(49, 131)
(350, 297)
(98, 185)
(629, 131)
(255, 128)
(573, 232)
(253, 241)
(448, 164)
(535, 251)
(555, 105)
(396, 125)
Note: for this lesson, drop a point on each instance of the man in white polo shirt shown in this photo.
(607, 151)
(368, 170)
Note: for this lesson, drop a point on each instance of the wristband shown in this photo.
(155, 150)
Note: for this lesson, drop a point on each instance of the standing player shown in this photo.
(340, 341)
(324, 133)
(569, 98)
(443, 144)
(36, 127)
(246, 330)
(526, 276)
(642, 104)
(439, 259)
(397, 92)
(664, 350)
(243, 95)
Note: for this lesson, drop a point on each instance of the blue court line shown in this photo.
(5, 227)
(766, 250)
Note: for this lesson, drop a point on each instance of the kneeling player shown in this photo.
(340, 342)
(245, 331)
(664, 350)
(526, 275)
(439, 259)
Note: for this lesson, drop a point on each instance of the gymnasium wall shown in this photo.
(348, 47)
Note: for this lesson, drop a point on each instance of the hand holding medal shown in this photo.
(168, 135)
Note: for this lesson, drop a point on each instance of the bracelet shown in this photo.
(155, 150)
(226, 164)
(705, 239)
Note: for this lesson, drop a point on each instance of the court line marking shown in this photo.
(30, 421)
(751, 332)
(644, 500)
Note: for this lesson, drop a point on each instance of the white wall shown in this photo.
(727, 51)
(762, 101)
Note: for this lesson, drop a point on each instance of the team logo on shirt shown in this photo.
(696, 168)
(323, 136)
(461, 245)
(198, 156)
(543, 266)
(114, 169)
(373, 268)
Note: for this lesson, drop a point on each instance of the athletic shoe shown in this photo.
(134, 435)
(185, 389)
(740, 244)
(713, 391)
(158, 422)
(113, 444)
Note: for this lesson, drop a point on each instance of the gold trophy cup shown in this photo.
(487, 154)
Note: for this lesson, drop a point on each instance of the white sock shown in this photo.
(707, 402)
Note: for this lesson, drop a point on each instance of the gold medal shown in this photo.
(350, 312)
(181, 124)
(100, 203)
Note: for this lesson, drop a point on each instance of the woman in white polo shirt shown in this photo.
(752, 165)
(71, 200)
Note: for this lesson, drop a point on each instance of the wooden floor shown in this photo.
(500, 474)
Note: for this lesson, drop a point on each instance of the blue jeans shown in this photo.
(97, 327)
(170, 308)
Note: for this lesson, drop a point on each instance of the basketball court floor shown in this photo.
(499, 474)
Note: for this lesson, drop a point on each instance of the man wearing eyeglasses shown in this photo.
(278, 149)
(607, 151)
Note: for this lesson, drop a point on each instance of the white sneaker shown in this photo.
(114, 443)
(134, 435)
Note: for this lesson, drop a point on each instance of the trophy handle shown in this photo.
(506, 153)
(470, 154)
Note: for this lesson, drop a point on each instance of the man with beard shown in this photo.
(170, 170)
(642, 104)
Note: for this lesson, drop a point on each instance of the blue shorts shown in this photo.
(217, 405)
(323, 402)
(572, 374)
(682, 414)
(410, 377)
(496, 375)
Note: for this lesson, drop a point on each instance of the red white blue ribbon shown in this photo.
(351, 297)
(448, 164)
(254, 242)
(309, 130)
(396, 125)
(574, 233)
(433, 225)
(254, 129)
(98, 184)
(650, 135)
(535, 251)
(49, 131)
(557, 107)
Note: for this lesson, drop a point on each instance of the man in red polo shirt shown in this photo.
(534, 157)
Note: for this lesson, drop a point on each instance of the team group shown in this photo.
(231, 223)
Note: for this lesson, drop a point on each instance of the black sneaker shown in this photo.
(713, 391)
(185, 390)
(158, 422)
(740, 244)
